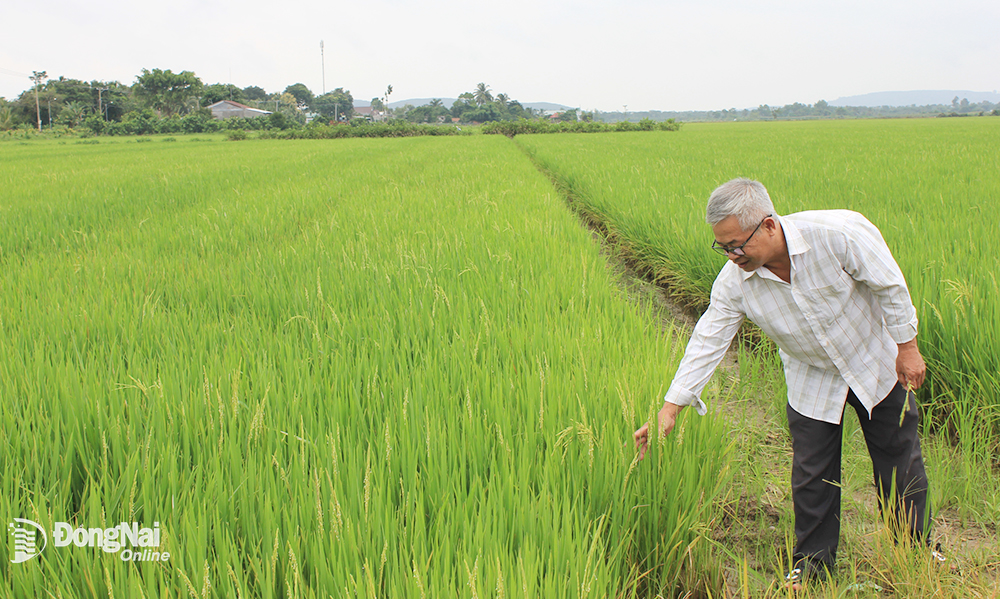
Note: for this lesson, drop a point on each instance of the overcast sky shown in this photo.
(646, 54)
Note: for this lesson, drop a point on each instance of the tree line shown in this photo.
(820, 110)
(162, 101)
(156, 94)
(476, 106)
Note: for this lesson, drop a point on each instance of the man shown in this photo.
(825, 288)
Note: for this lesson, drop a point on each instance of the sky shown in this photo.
(641, 54)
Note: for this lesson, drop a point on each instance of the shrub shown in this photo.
(95, 124)
(397, 128)
(522, 126)
(171, 124)
(279, 120)
(669, 125)
(197, 122)
(139, 122)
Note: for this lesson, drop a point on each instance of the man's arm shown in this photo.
(711, 338)
(869, 260)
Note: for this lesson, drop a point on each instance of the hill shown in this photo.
(546, 106)
(919, 98)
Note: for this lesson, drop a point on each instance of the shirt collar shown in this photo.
(793, 240)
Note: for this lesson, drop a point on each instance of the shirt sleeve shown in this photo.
(709, 341)
(869, 261)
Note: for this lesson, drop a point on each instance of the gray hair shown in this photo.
(743, 198)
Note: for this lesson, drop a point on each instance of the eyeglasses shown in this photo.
(738, 250)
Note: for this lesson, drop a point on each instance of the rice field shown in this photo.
(930, 185)
(379, 368)
(403, 368)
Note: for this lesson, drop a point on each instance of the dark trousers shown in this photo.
(891, 436)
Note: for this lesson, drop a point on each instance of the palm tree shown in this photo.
(435, 102)
(6, 118)
(502, 100)
(482, 94)
(73, 113)
(385, 101)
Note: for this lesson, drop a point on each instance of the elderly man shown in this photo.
(825, 288)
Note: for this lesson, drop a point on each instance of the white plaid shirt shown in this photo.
(836, 325)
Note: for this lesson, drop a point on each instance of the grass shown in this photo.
(642, 193)
(924, 183)
(752, 541)
(369, 367)
(756, 536)
(400, 367)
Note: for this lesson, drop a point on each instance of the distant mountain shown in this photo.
(447, 102)
(545, 106)
(920, 98)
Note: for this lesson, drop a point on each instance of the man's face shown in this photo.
(757, 248)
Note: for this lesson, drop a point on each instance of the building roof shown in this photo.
(230, 105)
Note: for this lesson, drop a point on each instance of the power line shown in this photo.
(14, 73)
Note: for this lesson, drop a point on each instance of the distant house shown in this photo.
(228, 109)
(369, 113)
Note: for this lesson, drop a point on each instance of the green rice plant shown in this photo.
(927, 184)
(371, 367)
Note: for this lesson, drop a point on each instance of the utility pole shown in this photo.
(50, 110)
(38, 77)
(322, 60)
(100, 106)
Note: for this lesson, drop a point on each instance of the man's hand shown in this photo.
(666, 419)
(910, 367)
